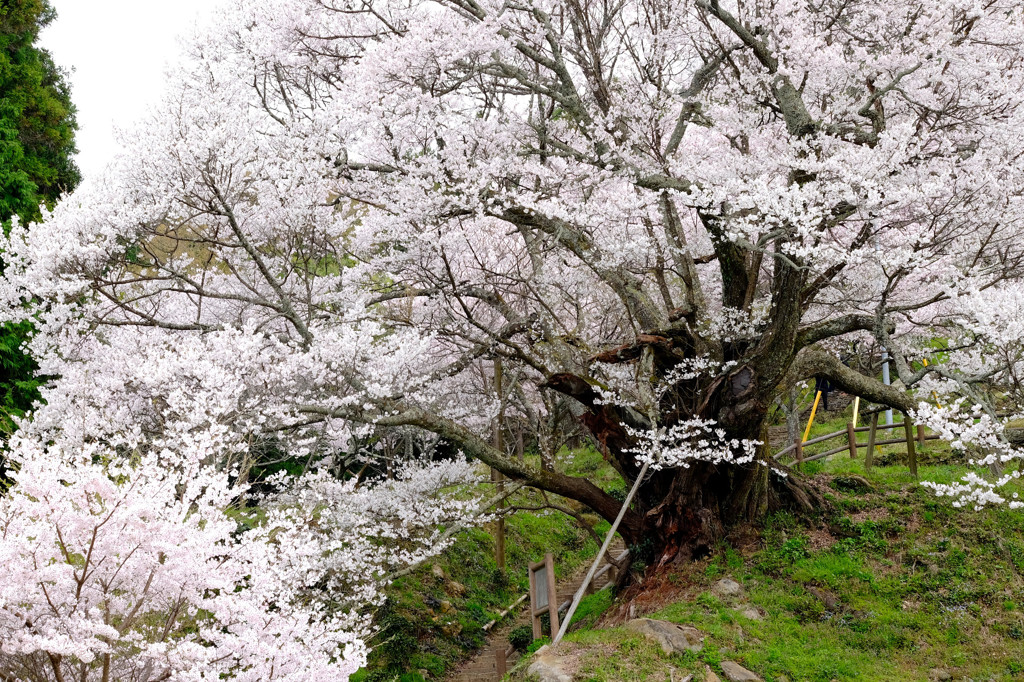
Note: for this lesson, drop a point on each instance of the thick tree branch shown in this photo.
(838, 326)
(575, 488)
(814, 362)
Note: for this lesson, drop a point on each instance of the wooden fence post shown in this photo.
(869, 458)
(851, 435)
(799, 454)
(501, 662)
(549, 559)
(908, 427)
(920, 435)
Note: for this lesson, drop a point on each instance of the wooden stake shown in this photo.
(552, 594)
(535, 609)
(851, 436)
(501, 663)
(908, 427)
(496, 476)
(799, 454)
(869, 456)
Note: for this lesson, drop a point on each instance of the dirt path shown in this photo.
(483, 667)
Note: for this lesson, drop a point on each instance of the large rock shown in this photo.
(751, 612)
(728, 588)
(709, 675)
(548, 667)
(734, 672)
(455, 588)
(825, 597)
(673, 638)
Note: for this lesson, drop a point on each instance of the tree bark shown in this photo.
(698, 505)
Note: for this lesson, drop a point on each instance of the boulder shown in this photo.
(548, 667)
(727, 588)
(852, 484)
(1014, 434)
(734, 672)
(452, 587)
(751, 612)
(709, 675)
(455, 588)
(672, 637)
(825, 597)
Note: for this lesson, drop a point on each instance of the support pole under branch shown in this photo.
(600, 555)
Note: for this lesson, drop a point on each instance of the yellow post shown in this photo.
(810, 421)
(856, 409)
(934, 395)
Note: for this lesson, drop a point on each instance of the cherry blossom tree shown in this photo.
(139, 570)
(659, 213)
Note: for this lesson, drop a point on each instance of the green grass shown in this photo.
(591, 608)
(916, 584)
(888, 587)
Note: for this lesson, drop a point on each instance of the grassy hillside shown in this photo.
(892, 584)
(895, 584)
(434, 617)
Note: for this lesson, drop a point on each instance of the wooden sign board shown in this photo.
(542, 595)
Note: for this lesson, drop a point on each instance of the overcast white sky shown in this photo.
(118, 50)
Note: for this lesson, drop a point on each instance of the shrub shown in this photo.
(521, 637)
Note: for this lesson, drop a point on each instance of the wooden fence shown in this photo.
(911, 438)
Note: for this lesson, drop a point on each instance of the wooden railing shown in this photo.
(910, 438)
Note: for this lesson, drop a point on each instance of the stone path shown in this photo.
(483, 666)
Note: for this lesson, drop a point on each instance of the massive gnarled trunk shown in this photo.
(703, 502)
(681, 513)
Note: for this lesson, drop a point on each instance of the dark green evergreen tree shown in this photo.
(37, 145)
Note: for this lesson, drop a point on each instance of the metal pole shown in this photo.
(810, 421)
(600, 555)
(885, 353)
(885, 380)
